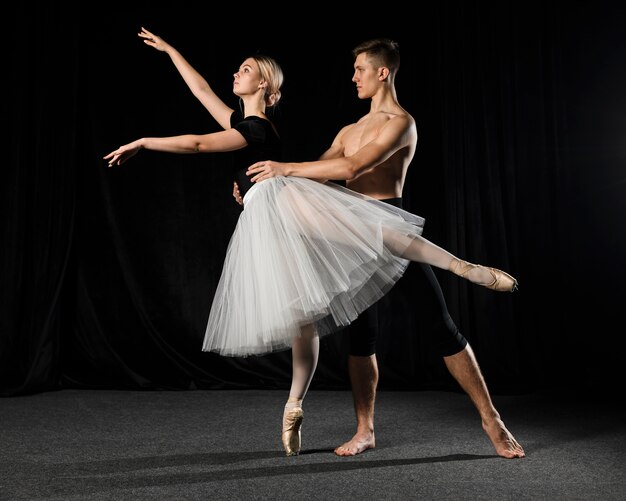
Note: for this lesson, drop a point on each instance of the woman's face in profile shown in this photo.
(247, 79)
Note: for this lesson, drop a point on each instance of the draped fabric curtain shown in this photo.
(38, 197)
(108, 274)
(505, 174)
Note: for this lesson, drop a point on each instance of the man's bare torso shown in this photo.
(386, 180)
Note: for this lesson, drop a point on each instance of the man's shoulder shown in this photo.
(399, 119)
(396, 113)
(402, 114)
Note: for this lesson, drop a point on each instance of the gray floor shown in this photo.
(78, 444)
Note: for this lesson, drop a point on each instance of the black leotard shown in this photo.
(263, 144)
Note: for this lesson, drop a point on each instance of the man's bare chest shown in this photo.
(360, 135)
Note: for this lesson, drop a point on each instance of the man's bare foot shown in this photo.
(357, 444)
(501, 438)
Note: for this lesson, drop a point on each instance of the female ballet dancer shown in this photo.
(305, 258)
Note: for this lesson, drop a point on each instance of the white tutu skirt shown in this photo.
(304, 252)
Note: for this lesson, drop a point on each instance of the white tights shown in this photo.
(305, 352)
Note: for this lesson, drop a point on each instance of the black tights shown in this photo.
(443, 333)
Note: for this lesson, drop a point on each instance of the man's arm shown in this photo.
(394, 135)
(335, 151)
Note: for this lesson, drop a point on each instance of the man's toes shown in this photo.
(342, 451)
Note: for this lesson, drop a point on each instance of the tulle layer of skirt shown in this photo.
(304, 252)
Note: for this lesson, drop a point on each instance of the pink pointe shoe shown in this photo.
(501, 281)
(292, 423)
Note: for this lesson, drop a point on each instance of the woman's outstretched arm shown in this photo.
(228, 140)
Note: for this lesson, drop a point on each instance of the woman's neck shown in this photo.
(253, 106)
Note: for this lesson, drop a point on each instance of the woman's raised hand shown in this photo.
(152, 40)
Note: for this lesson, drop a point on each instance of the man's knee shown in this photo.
(362, 349)
(446, 338)
(362, 336)
(452, 345)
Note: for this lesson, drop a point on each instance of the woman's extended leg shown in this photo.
(424, 251)
(355, 224)
(305, 353)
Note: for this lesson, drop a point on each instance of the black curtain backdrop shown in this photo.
(107, 275)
